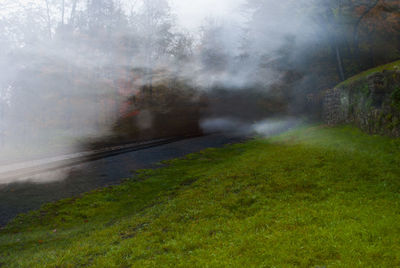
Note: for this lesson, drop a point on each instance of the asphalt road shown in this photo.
(21, 197)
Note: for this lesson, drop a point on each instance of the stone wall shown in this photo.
(371, 103)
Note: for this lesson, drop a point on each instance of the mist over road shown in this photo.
(21, 197)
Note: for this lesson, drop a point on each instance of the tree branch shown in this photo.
(356, 26)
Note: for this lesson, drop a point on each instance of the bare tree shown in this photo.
(358, 22)
(73, 12)
(62, 11)
(155, 24)
(48, 19)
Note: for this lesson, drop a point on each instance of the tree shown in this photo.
(181, 50)
(48, 18)
(377, 38)
(154, 23)
(368, 9)
(214, 54)
(333, 15)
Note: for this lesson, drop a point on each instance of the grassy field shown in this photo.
(313, 197)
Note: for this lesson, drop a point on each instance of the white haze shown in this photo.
(53, 80)
(264, 128)
(191, 14)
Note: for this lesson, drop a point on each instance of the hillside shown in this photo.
(393, 66)
(315, 196)
(369, 100)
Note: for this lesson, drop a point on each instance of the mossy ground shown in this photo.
(312, 197)
(393, 66)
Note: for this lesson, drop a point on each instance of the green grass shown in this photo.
(390, 66)
(312, 197)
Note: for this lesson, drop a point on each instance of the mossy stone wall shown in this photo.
(371, 103)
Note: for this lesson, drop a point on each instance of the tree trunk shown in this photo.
(357, 25)
(334, 38)
(2, 126)
(73, 10)
(340, 63)
(48, 20)
(62, 12)
(339, 60)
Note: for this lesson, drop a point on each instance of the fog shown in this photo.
(73, 71)
(236, 127)
(191, 14)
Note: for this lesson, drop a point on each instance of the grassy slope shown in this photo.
(390, 66)
(316, 196)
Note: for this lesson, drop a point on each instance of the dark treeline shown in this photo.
(73, 68)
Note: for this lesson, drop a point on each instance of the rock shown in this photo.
(368, 103)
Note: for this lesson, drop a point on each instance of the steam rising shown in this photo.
(69, 69)
(263, 128)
